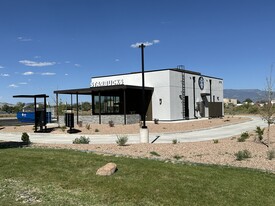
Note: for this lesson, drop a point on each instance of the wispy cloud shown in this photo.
(147, 43)
(77, 65)
(4, 75)
(1, 67)
(37, 57)
(28, 73)
(36, 64)
(20, 38)
(12, 86)
(116, 60)
(48, 74)
(67, 62)
(23, 83)
(66, 74)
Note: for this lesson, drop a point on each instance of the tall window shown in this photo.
(109, 104)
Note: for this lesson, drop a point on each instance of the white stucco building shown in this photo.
(171, 94)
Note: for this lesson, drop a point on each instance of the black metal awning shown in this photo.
(205, 94)
(90, 90)
(31, 96)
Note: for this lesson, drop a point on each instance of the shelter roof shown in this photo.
(30, 96)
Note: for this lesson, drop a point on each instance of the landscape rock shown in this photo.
(107, 169)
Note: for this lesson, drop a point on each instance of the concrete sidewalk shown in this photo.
(194, 136)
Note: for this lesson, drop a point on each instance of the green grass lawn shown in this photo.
(66, 177)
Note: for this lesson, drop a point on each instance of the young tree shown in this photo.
(86, 106)
(248, 100)
(19, 107)
(268, 111)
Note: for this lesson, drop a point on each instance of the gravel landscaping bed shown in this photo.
(222, 152)
(207, 152)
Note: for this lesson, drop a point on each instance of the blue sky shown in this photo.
(46, 45)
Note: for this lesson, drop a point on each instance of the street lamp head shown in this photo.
(141, 45)
(147, 43)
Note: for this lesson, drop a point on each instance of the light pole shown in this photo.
(143, 113)
(144, 133)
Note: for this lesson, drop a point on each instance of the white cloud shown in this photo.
(156, 41)
(36, 64)
(1, 67)
(66, 74)
(28, 73)
(23, 83)
(116, 60)
(77, 65)
(20, 38)
(147, 43)
(4, 75)
(67, 62)
(48, 74)
(13, 85)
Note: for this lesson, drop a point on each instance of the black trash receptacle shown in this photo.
(69, 120)
(39, 118)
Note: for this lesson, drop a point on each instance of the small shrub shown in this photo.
(80, 123)
(216, 141)
(82, 140)
(177, 157)
(271, 154)
(96, 130)
(174, 141)
(121, 140)
(88, 126)
(243, 137)
(111, 123)
(63, 128)
(156, 121)
(25, 138)
(155, 153)
(260, 133)
(241, 155)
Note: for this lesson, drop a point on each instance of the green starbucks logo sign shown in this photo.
(201, 83)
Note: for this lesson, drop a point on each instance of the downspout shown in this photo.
(194, 97)
(210, 90)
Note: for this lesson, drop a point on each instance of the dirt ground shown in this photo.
(207, 152)
(162, 127)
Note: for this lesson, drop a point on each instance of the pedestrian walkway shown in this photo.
(193, 136)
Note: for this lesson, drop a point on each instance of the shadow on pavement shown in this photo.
(7, 145)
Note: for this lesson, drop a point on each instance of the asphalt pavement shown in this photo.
(193, 136)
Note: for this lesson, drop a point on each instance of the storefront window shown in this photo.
(109, 104)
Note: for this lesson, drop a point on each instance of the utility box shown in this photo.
(215, 109)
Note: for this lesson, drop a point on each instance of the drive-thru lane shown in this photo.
(194, 136)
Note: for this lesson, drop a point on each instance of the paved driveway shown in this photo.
(194, 136)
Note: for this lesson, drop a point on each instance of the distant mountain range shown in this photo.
(3, 103)
(242, 94)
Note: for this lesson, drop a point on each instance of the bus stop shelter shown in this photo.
(39, 118)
